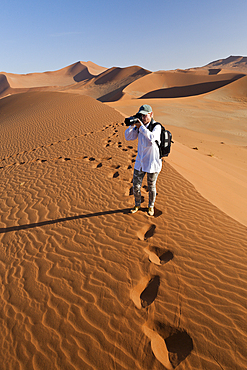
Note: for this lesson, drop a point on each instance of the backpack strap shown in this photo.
(152, 126)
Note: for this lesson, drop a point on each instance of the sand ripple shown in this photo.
(85, 284)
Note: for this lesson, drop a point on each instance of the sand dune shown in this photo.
(236, 91)
(85, 284)
(237, 63)
(115, 83)
(174, 84)
(109, 85)
(4, 85)
(214, 125)
(104, 85)
(66, 76)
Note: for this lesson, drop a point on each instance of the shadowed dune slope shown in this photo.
(190, 90)
(4, 85)
(108, 86)
(85, 284)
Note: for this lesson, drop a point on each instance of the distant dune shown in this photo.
(4, 85)
(87, 285)
(77, 72)
(237, 63)
(109, 85)
(178, 84)
(116, 83)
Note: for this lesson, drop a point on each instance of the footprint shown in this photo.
(158, 256)
(150, 292)
(170, 345)
(158, 346)
(157, 212)
(179, 345)
(146, 232)
(136, 292)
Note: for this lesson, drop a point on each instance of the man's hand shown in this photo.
(138, 124)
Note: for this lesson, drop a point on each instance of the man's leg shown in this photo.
(137, 183)
(151, 180)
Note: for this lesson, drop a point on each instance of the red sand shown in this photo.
(85, 284)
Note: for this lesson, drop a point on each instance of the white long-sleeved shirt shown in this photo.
(148, 157)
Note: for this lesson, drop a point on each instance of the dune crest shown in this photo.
(238, 63)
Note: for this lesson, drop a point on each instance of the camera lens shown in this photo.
(129, 121)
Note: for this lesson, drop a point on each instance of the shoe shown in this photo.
(135, 209)
(150, 211)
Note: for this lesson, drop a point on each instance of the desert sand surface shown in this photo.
(214, 125)
(84, 283)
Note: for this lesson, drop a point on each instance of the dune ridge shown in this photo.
(232, 62)
(85, 78)
(84, 283)
(76, 72)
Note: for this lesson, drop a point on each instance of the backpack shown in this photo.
(165, 139)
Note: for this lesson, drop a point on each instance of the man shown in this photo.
(148, 157)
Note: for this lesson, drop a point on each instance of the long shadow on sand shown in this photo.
(189, 90)
(52, 222)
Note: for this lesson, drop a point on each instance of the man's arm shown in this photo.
(131, 133)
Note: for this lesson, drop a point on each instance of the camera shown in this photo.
(133, 119)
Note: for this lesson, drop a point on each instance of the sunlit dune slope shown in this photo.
(235, 91)
(30, 115)
(74, 73)
(174, 84)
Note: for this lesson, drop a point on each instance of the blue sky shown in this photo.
(39, 36)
